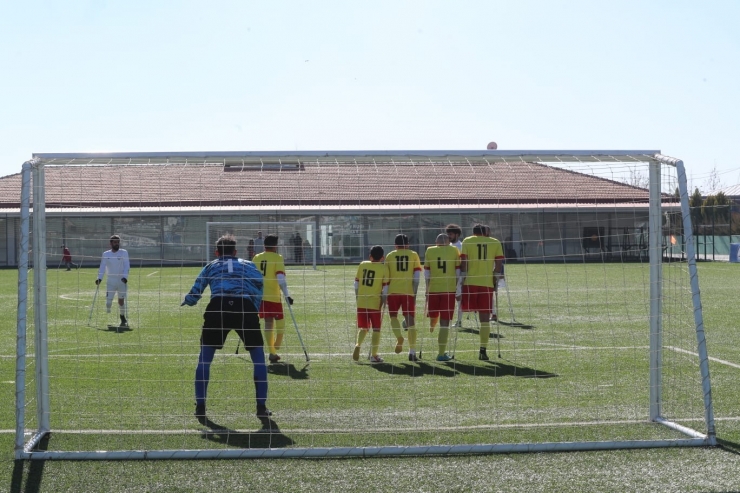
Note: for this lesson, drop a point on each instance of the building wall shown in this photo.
(174, 239)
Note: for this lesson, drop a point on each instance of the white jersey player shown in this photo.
(116, 264)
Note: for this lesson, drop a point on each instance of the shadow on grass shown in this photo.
(729, 446)
(288, 370)
(414, 370)
(492, 335)
(498, 369)
(117, 329)
(35, 472)
(517, 325)
(269, 436)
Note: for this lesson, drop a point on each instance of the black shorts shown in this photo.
(224, 314)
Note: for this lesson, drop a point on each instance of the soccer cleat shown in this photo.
(412, 357)
(263, 412)
(356, 353)
(274, 358)
(457, 325)
(399, 345)
(124, 325)
(376, 359)
(444, 357)
(482, 354)
(494, 317)
(200, 413)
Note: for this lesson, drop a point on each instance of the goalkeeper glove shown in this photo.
(289, 300)
(97, 282)
(125, 281)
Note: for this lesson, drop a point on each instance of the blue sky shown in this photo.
(84, 76)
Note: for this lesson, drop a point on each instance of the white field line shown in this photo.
(716, 360)
(153, 273)
(320, 355)
(70, 298)
(186, 431)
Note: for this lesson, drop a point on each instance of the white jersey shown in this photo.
(115, 263)
(457, 244)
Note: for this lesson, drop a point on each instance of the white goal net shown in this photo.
(595, 340)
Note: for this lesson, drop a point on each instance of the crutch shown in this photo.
(290, 309)
(498, 330)
(92, 307)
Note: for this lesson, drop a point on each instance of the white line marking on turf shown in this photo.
(150, 275)
(190, 431)
(69, 297)
(316, 357)
(716, 360)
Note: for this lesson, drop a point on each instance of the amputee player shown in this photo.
(116, 263)
(272, 266)
(481, 258)
(454, 232)
(236, 292)
(404, 271)
(371, 288)
(442, 275)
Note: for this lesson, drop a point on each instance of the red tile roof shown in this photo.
(318, 183)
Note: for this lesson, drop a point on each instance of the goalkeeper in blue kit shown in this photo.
(236, 293)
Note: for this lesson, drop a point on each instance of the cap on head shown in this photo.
(401, 240)
(115, 238)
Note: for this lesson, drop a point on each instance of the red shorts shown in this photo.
(271, 309)
(368, 318)
(403, 302)
(477, 299)
(441, 305)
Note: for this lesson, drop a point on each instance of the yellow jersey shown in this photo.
(370, 277)
(443, 263)
(402, 264)
(481, 253)
(270, 264)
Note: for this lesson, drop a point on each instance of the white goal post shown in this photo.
(613, 354)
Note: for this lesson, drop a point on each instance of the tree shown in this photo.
(708, 208)
(713, 182)
(638, 179)
(695, 203)
(722, 204)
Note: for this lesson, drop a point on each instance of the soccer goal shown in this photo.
(607, 348)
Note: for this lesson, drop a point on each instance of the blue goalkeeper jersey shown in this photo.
(228, 276)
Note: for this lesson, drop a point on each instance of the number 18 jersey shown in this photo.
(371, 277)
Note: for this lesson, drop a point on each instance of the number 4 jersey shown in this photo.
(370, 279)
(442, 262)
